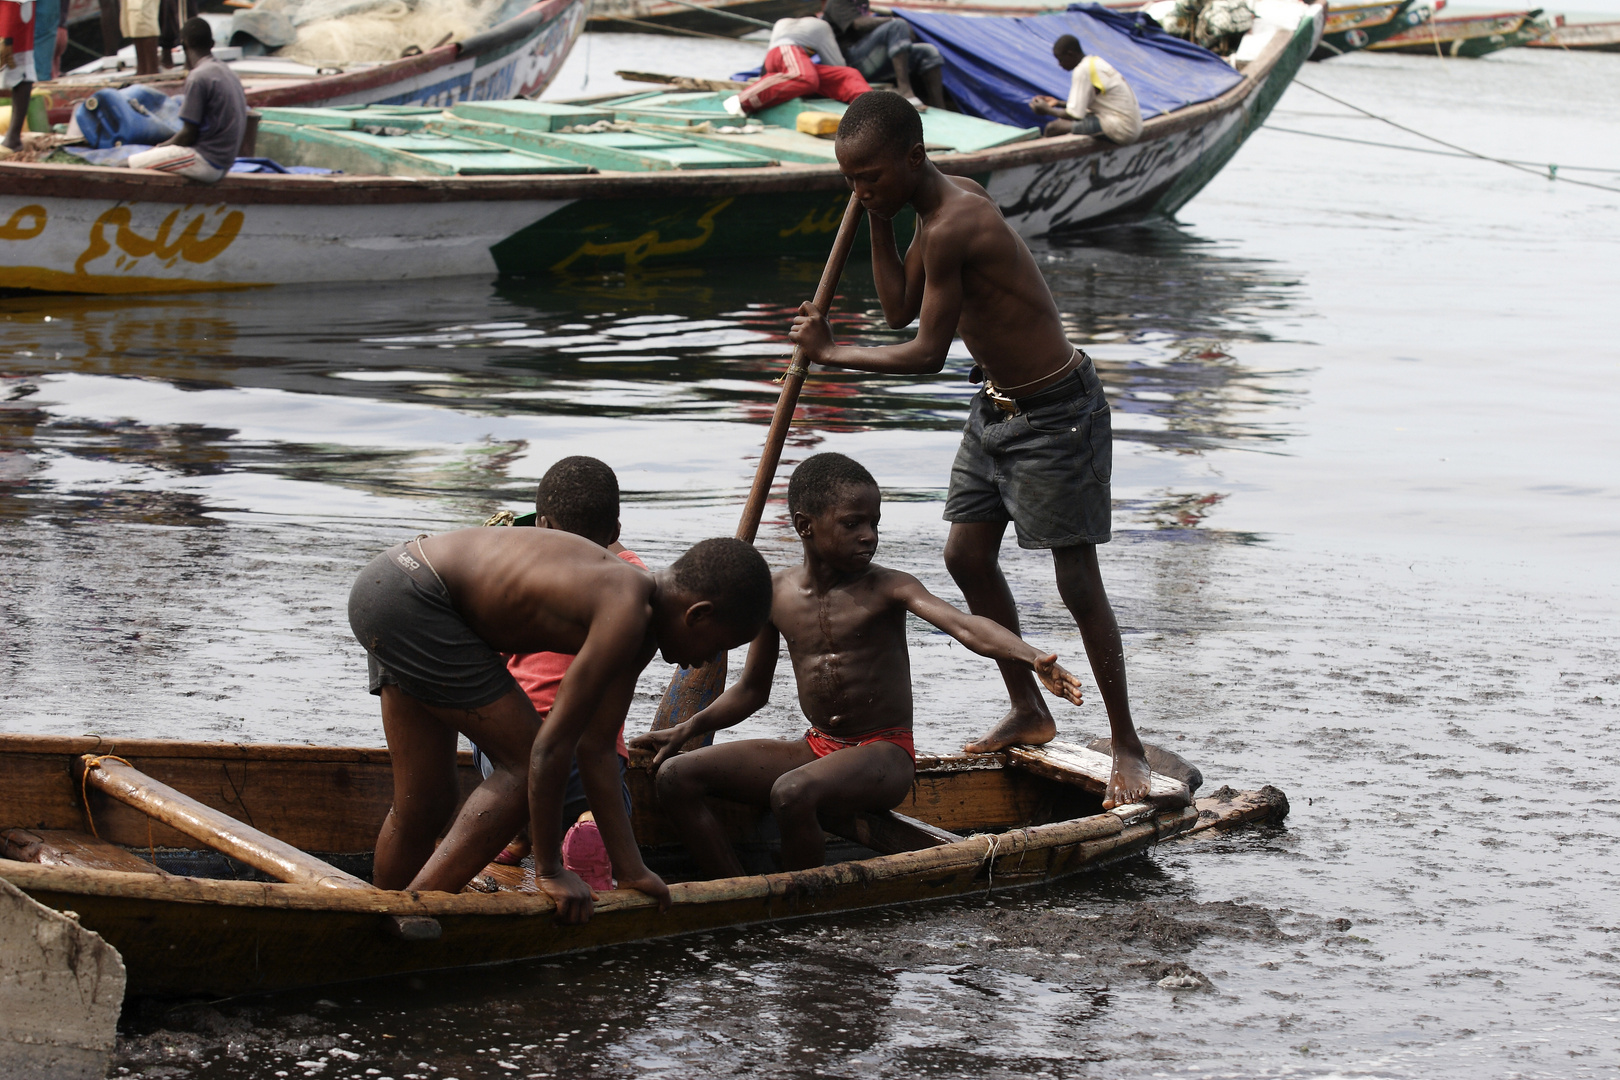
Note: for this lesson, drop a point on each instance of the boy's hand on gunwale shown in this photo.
(575, 900)
(666, 741)
(1058, 679)
(811, 333)
(651, 884)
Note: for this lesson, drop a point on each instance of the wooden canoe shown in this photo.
(1580, 37)
(1354, 27)
(187, 920)
(74, 228)
(1467, 36)
(515, 58)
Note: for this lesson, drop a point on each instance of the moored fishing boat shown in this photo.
(192, 859)
(646, 180)
(1356, 26)
(706, 18)
(1580, 37)
(1467, 35)
(516, 56)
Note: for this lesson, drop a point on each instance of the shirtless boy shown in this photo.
(844, 619)
(436, 613)
(1037, 449)
(579, 495)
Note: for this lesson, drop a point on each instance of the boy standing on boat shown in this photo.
(1100, 101)
(1038, 446)
(844, 620)
(436, 613)
(16, 66)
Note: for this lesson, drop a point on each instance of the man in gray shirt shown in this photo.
(212, 120)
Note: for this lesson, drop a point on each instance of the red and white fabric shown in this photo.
(789, 74)
(180, 160)
(17, 23)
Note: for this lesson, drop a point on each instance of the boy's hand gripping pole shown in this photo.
(691, 690)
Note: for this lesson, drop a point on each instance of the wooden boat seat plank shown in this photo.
(890, 833)
(62, 847)
(1072, 764)
(219, 831)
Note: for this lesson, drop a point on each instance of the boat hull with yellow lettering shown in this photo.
(116, 230)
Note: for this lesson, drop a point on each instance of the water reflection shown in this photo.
(448, 392)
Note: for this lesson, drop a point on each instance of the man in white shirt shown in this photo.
(1100, 100)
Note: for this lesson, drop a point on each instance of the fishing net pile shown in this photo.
(342, 32)
(1217, 25)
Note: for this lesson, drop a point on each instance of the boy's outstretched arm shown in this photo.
(941, 309)
(986, 637)
(741, 700)
(899, 279)
(599, 683)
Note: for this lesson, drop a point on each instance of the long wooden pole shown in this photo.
(692, 689)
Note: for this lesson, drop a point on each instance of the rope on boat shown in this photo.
(93, 761)
(990, 859)
(1437, 153)
(1551, 172)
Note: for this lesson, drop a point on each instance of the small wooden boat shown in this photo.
(1580, 37)
(193, 859)
(632, 182)
(1356, 26)
(1467, 35)
(700, 18)
(516, 57)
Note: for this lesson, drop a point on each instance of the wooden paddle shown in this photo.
(693, 689)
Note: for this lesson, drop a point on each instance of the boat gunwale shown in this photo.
(1109, 827)
(107, 182)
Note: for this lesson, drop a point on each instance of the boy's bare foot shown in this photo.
(1018, 726)
(1128, 782)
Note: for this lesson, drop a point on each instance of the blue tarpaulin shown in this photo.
(993, 66)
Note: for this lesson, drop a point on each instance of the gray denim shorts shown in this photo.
(416, 640)
(1046, 470)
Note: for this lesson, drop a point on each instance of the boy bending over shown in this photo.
(579, 495)
(436, 613)
(844, 619)
(1038, 446)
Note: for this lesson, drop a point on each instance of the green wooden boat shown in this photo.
(1357, 26)
(613, 185)
(1468, 35)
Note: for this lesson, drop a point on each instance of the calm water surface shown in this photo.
(1367, 505)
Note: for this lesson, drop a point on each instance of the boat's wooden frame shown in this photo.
(115, 230)
(181, 935)
(1354, 27)
(1467, 36)
(1580, 37)
(515, 58)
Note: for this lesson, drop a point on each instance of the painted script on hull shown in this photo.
(1062, 194)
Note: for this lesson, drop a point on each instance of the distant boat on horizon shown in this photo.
(1468, 35)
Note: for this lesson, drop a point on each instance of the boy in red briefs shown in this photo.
(844, 618)
(579, 495)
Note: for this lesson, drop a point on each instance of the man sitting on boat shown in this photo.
(844, 619)
(1100, 100)
(876, 46)
(435, 615)
(579, 495)
(790, 73)
(213, 119)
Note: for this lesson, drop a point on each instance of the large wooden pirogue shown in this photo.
(193, 858)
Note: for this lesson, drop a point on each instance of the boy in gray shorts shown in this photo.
(1037, 450)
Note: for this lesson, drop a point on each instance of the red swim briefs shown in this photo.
(822, 744)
